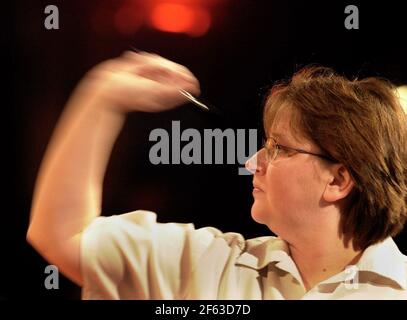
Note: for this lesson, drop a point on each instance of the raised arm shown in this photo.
(68, 189)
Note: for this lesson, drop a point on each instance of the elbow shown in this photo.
(38, 238)
(42, 242)
(34, 239)
(40, 233)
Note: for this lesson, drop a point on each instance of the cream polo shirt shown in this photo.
(131, 256)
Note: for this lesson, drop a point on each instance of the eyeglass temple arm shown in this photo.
(312, 153)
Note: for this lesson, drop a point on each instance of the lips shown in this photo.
(256, 187)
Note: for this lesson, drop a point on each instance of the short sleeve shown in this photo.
(131, 256)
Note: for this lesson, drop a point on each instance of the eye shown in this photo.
(284, 150)
(280, 148)
(264, 142)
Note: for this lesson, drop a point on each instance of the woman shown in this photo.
(330, 182)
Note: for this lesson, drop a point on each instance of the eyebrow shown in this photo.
(279, 136)
(276, 135)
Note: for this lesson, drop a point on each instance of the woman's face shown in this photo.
(288, 191)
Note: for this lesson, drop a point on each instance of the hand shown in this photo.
(142, 82)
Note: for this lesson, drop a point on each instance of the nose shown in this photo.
(257, 163)
(251, 164)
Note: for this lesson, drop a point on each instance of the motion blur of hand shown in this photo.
(141, 82)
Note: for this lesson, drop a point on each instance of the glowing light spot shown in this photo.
(202, 23)
(178, 18)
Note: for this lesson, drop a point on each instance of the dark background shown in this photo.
(249, 45)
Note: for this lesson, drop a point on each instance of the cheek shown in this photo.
(271, 205)
(283, 192)
(288, 198)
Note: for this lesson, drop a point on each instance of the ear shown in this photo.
(340, 183)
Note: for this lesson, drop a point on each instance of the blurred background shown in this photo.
(236, 48)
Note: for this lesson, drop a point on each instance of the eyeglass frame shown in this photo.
(278, 147)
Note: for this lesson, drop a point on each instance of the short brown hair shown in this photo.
(361, 124)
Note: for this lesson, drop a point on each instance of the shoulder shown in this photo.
(142, 225)
(138, 224)
(135, 245)
(139, 233)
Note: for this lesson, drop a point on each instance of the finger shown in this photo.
(156, 68)
(139, 58)
(111, 65)
(132, 60)
(158, 96)
(167, 63)
(167, 76)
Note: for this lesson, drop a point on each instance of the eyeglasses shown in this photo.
(270, 150)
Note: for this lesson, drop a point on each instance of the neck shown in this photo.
(320, 262)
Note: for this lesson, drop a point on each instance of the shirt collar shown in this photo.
(384, 259)
(262, 251)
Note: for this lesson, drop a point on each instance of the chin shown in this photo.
(258, 213)
(261, 215)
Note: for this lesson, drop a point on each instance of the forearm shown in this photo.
(68, 191)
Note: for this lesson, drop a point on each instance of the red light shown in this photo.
(202, 23)
(172, 17)
(179, 18)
